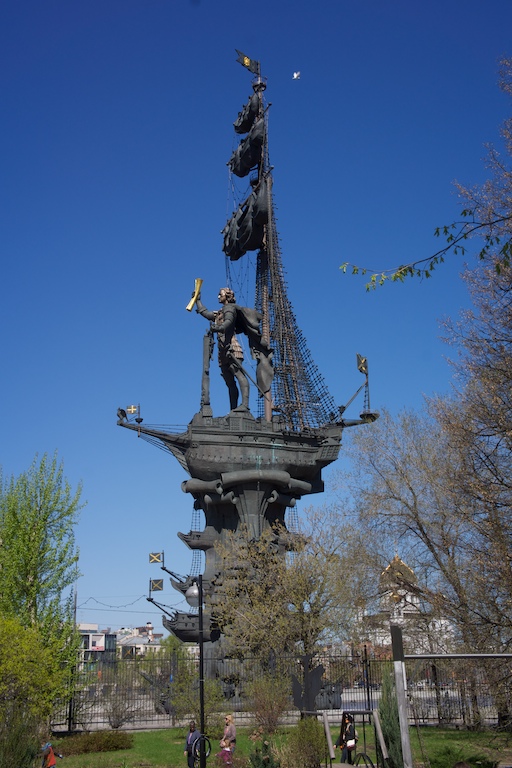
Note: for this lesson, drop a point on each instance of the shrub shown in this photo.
(18, 737)
(240, 761)
(388, 713)
(306, 745)
(98, 741)
(263, 756)
(269, 697)
(120, 707)
(450, 755)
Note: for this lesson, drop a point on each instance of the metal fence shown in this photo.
(464, 692)
(144, 692)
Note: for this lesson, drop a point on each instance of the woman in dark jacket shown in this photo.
(347, 734)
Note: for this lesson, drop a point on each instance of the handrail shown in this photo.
(328, 736)
(380, 735)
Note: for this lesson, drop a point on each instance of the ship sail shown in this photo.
(300, 398)
(247, 115)
(245, 229)
(248, 153)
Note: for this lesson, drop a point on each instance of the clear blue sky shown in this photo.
(116, 129)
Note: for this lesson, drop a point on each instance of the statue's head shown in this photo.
(226, 295)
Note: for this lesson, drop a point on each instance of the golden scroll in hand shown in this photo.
(195, 295)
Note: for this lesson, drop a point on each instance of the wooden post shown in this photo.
(400, 687)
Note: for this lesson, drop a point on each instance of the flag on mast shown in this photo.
(250, 64)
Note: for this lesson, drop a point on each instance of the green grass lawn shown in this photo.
(151, 749)
(443, 748)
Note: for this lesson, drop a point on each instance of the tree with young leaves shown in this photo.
(38, 555)
(283, 603)
(38, 566)
(487, 213)
(30, 677)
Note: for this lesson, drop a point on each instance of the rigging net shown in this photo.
(299, 394)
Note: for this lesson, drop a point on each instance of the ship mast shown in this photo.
(298, 398)
(262, 272)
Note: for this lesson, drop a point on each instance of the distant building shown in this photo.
(127, 642)
(96, 644)
(137, 641)
(400, 605)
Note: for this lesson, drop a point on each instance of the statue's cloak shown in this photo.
(248, 322)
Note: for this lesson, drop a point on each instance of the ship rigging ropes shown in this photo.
(299, 394)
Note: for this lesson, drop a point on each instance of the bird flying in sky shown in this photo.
(296, 76)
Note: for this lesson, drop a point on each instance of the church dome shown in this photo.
(397, 574)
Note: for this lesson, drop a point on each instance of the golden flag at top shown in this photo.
(362, 364)
(250, 64)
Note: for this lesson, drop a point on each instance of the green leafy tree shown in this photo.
(170, 645)
(477, 421)
(38, 555)
(38, 565)
(30, 678)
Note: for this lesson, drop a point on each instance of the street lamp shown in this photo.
(194, 597)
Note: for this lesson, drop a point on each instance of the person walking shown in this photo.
(229, 735)
(225, 756)
(346, 741)
(49, 756)
(193, 736)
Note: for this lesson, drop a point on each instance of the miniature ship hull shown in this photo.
(186, 627)
(240, 443)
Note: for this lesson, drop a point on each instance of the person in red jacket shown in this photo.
(49, 756)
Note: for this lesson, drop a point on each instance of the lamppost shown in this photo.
(194, 597)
